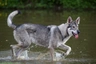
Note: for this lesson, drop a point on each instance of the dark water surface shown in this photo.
(83, 49)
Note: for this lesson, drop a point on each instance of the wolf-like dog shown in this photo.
(51, 36)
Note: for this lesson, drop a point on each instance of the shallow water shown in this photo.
(83, 48)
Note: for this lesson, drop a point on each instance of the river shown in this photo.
(83, 48)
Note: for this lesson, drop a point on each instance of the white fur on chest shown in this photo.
(64, 41)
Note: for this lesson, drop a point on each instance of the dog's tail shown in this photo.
(10, 17)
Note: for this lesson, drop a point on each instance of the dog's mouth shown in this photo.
(75, 35)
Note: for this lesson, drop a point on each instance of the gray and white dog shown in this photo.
(50, 36)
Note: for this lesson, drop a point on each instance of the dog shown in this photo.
(51, 36)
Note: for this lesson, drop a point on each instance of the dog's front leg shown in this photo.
(51, 53)
(65, 47)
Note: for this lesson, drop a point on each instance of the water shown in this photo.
(83, 49)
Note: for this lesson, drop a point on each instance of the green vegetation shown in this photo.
(39, 4)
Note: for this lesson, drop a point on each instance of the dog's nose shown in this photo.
(78, 31)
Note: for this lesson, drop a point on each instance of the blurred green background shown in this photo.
(48, 4)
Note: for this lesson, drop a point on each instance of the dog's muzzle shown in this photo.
(76, 34)
(78, 31)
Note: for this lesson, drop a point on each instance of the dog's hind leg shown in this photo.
(23, 40)
(13, 52)
(14, 49)
(65, 47)
(19, 54)
(22, 53)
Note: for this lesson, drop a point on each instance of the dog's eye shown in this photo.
(73, 26)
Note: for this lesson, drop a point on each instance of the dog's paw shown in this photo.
(65, 55)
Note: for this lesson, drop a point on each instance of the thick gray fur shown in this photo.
(50, 36)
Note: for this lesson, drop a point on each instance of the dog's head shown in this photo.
(73, 27)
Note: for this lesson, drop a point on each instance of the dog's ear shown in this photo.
(69, 19)
(78, 20)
